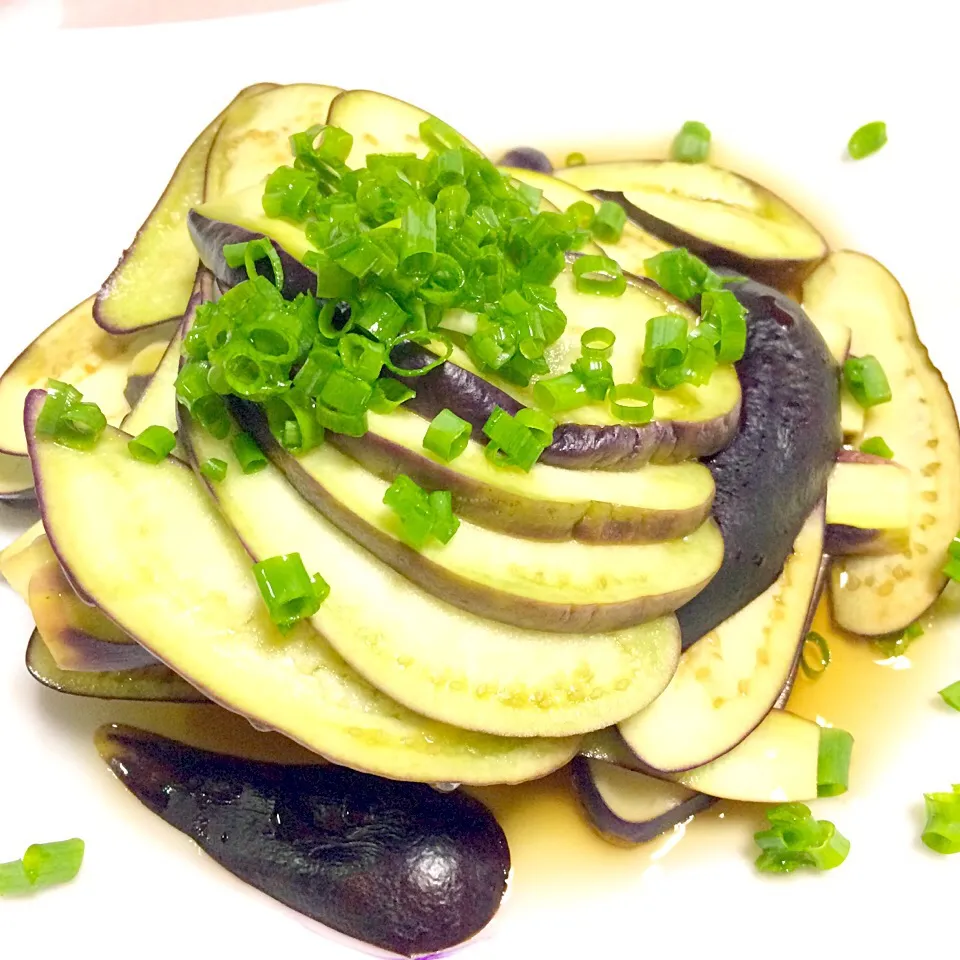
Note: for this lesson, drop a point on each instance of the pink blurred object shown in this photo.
(128, 13)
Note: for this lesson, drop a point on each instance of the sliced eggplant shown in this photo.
(397, 865)
(380, 124)
(868, 506)
(717, 214)
(155, 683)
(773, 474)
(728, 682)
(627, 807)
(878, 595)
(152, 282)
(656, 502)
(142, 367)
(254, 137)
(565, 587)
(835, 335)
(22, 558)
(777, 763)
(16, 479)
(635, 244)
(73, 349)
(455, 667)
(177, 580)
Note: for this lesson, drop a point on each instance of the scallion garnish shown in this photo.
(814, 646)
(289, 592)
(447, 436)
(247, 254)
(388, 394)
(664, 349)
(421, 516)
(214, 469)
(942, 830)
(682, 274)
(631, 402)
(517, 441)
(575, 159)
(563, 392)
(896, 644)
(867, 139)
(598, 342)
(248, 454)
(67, 420)
(153, 444)
(608, 222)
(952, 567)
(866, 381)
(951, 695)
(43, 865)
(833, 762)
(723, 312)
(599, 275)
(877, 447)
(692, 143)
(796, 839)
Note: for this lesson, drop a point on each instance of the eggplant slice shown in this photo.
(397, 865)
(780, 459)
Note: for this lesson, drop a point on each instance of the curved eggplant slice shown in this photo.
(657, 502)
(380, 124)
(16, 479)
(723, 217)
(152, 282)
(635, 244)
(627, 807)
(565, 587)
(155, 683)
(76, 350)
(254, 137)
(474, 673)
(878, 595)
(773, 474)
(21, 559)
(728, 682)
(399, 866)
(178, 580)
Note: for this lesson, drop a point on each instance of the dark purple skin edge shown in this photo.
(19, 498)
(784, 274)
(210, 237)
(628, 831)
(526, 158)
(89, 654)
(575, 446)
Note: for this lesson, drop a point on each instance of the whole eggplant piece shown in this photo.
(397, 865)
(775, 471)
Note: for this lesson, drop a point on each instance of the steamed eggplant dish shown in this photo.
(460, 472)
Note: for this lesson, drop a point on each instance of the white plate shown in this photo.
(93, 123)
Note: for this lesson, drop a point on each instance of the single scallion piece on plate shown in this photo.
(47, 864)
(952, 567)
(725, 314)
(608, 222)
(388, 394)
(67, 419)
(833, 762)
(248, 454)
(575, 159)
(897, 644)
(599, 275)
(13, 879)
(631, 402)
(289, 592)
(153, 444)
(951, 695)
(214, 469)
(563, 392)
(421, 515)
(866, 381)
(517, 441)
(692, 143)
(867, 139)
(877, 447)
(941, 833)
(447, 436)
(815, 655)
(795, 838)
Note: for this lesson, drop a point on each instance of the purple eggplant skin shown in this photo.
(775, 470)
(526, 158)
(396, 865)
(783, 274)
(628, 832)
(211, 236)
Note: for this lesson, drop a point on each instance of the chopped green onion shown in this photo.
(833, 762)
(248, 454)
(877, 447)
(681, 273)
(575, 159)
(664, 346)
(211, 413)
(796, 839)
(292, 420)
(445, 524)
(289, 592)
(67, 420)
(608, 222)
(700, 360)
(46, 864)
(361, 357)
(517, 441)
(249, 252)
(951, 695)
(597, 341)
(951, 568)
(214, 469)
(896, 644)
(599, 275)
(866, 381)
(440, 136)
(346, 393)
(447, 436)
(388, 394)
(725, 314)
(692, 143)
(60, 396)
(418, 227)
(421, 516)
(814, 670)
(942, 830)
(867, 139)
(14, 879)
(289, 193)
(582, 212)
(153, 444)
(631, 402)
(349, 424)
(564, 392)
(596, 375)
(424, 339)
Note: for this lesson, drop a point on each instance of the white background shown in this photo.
(92, 124)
